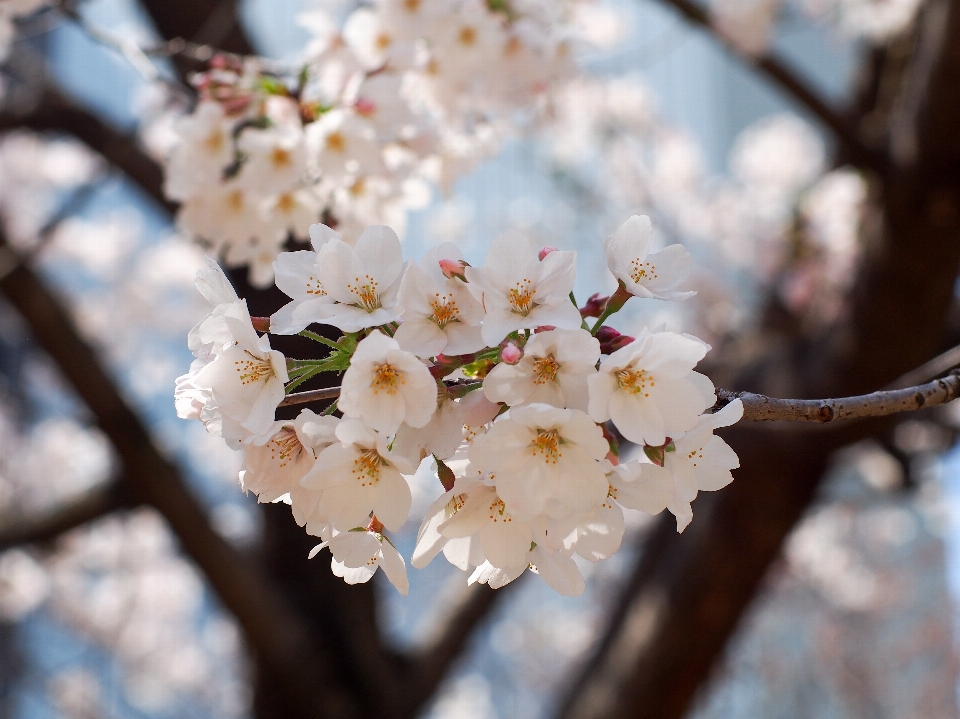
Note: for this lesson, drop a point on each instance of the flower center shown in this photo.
(411, 5)
(445, 310)
(214, 142)
(547, 442)
(366, 468)
(366, 294)
(253, 369)
(235, 201)
(286, 203)
(383, 41)
(336, 142)
(280, 158)
(386, 377)
(314, 287)
(642, 271)
(545, 369)
(467, 36)
(521, 297)
(635, 381)
(285, 447)
(499, 513)
(695, 455)
(611, 495)
(455, 504)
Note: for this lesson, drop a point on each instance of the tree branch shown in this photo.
(760, 408)
(91, 505)
(796, 88)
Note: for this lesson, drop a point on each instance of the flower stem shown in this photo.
(319, 338)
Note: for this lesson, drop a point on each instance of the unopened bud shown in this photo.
(261, 324)
(453, 268)
(613, 459)
(511, 354)
(594, 306)
(621, 341)
(544, 251)
(544, 328)
(606, 334)
(365, 107)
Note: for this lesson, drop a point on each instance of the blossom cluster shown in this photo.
(492, 374)
(403, 95)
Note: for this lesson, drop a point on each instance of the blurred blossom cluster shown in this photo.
(121, 585)
(401, 95)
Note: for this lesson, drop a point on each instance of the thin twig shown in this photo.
(760, 408)
(794, 86)
(928, 370)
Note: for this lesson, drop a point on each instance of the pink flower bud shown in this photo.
(606, 334)
(365, 107)
(544, 328)
(544, 251)
(511, 354)
(261, 324)
(453, 268)
(594, 306)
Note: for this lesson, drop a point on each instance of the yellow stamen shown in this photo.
(366, 468)
(499, 513)
(547, 442)
(635, 381)
(253, 369)
(467, 36)
(280, 158)
(445, 310)
(521, 297)
(545, 369)
(285, 447)
(336, 142)
(367, 296)
(386, 377)
(642, 271)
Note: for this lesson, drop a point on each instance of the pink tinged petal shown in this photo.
(494, 577)
(582, 483)
(631, 241)
(673, 265)
(393, 499)
(639, 420)
(301, 315)
(295, 274)
(358, 575)
(506, 544)
(574, 391)
(355, 549)
(600, 536)
(680, 403)
(560, 572)
(600, 387)
(464, 553)
(462, 339)
(337, 267)
(347, 505)
(705, 386)
(585, 433)
(334, 466)
(511, 257)
(394, 567)
(719, 454)
(379, 250)
(556, 276)
(429, 539)
(504, 383)
(263, 410)
(562, 315)
(421, 337)
(320, 235)
(472, 516)
(651, 492)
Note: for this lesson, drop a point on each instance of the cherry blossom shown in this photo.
(698, 462)
(363, 282)
(643, 274)
(296, 276)
(545, 459)
(649, 389)
(386, 386)
(246, 378)
(358, 554)
(553, 370)
(360, 475)
(518, 291)
(440, 315)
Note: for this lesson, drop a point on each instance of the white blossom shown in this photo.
(360, 475)
(553, 370)
(700, 462)
(363, 282)
(357, 554)
(643, 274)
(440, 315)
(275, 158)
(246, 378)
(649, 389)
(386, 386)
(504, 539)
(297, 277)
(545, 460)
(518, 291)
(204, 150)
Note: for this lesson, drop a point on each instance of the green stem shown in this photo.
(319, 338)
(331, 409)
(301, 379)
